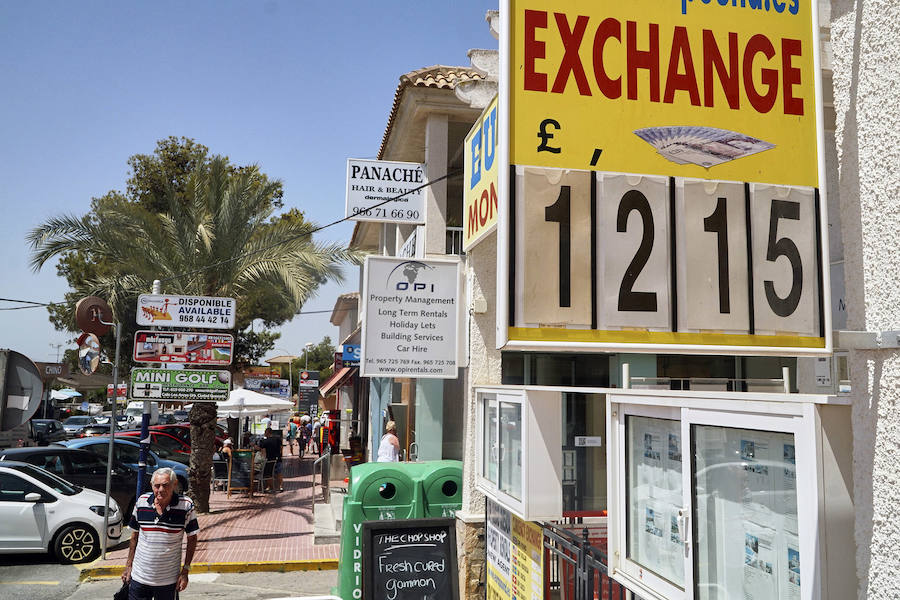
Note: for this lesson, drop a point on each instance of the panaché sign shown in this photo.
(666, 156)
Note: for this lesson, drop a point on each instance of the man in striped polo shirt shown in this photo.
(159, 521)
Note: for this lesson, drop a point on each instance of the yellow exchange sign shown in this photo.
(481, 168)
(709, 89)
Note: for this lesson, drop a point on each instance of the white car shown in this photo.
(40, 512)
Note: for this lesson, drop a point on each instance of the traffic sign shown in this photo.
(186, 311)
(21, 389)
(93, 315)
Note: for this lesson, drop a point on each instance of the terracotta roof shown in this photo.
(438, 77)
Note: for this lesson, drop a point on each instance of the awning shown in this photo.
(336, 380)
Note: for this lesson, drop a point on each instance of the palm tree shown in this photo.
(216, 239)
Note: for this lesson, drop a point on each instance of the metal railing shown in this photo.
(326, 492)
(454, 243)
(575, 570)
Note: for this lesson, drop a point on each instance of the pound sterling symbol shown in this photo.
(546, 136)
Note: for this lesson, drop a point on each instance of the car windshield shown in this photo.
(40, 427)
(49, 479)
(161, 452)
(78, 420)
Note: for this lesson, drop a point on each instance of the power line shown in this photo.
(449, 174)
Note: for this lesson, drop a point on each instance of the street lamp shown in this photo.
(306, 348)
(290, 358)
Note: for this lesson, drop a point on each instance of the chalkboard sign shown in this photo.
(240, 470)
(410, 560)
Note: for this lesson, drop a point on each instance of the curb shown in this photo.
(109, 571)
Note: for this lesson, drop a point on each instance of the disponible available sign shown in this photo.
(187, 384)
(410, 319)
(180, 311)
(372, 183)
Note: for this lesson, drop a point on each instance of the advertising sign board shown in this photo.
(693, 219)
(373, 182)
(409, 559)
(410, 317)
(184, 347)
(50, 371)
(350, 355)
(279, 388)
(481, 167)
(121, 391)
(186, 384)
(515, 555)
(186, 311)
(308, 388)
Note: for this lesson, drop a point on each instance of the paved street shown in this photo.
(36, 577)
(266, 528)
(227, 586)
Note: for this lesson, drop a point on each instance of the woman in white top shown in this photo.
(389, 448)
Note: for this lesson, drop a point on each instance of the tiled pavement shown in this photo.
(265, 528)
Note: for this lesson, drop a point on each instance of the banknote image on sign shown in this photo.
(663, 178)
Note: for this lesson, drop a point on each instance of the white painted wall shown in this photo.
(484, 359)
(866, 71)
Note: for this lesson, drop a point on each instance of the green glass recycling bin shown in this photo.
(382, 491)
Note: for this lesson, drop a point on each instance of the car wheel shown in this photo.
(77, 543)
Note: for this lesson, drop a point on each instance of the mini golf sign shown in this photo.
(187, 384)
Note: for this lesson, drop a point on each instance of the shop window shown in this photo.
(544, 368)
(584, 455)
(511, 449)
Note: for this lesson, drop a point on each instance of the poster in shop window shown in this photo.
(655, 539)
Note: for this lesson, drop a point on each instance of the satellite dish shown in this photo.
(88, 353)
(21, 389)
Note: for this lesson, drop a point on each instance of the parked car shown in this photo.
(183, 432)
(41, 512)
(167, 419)
(128, 453)
(161, 438)
(180, 415)
(94, 430)
(74, 425)
(47, 431)
(126, 422)
(81, 468)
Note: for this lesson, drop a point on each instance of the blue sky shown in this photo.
(295, 87)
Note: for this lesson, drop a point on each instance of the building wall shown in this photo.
(866, 74)
(484, 368)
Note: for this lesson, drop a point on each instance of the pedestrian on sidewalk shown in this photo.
(389, 448)
(291, 431)
(316, 428)
(272, 445)
(161, 518)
